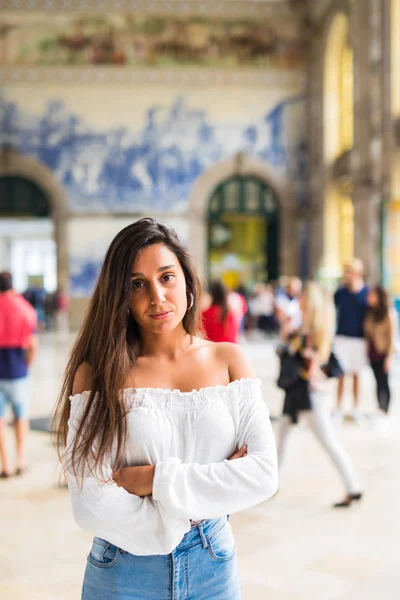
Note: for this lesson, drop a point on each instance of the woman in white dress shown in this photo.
(166, 433)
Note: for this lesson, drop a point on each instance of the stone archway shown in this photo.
(243, 165)
(370, 168)
(320, 172)
(338, 139)
(14, 164)
(390, 259)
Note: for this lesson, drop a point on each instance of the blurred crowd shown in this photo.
(321, 338)
(258, 312)
(51, 307)
(364, 328)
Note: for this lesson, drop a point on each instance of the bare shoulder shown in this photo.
(236, 360)
(82, 379)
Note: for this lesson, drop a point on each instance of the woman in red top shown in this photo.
(218, 321)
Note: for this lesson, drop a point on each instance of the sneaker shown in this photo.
(337, 416)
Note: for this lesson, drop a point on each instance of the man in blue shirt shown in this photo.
(350, 345)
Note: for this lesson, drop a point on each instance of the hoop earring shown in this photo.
(191, 301)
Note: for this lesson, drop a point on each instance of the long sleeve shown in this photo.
(110, 512)
(202, 491)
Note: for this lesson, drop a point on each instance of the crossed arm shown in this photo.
(139, 480)
(171, 481)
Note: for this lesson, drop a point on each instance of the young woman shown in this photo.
(380, 327)
(308, 355)
(219, 321)
(166, 433)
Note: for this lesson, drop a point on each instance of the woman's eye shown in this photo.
(168, 277)
(137, 285)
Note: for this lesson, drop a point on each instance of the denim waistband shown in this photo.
(200, 532)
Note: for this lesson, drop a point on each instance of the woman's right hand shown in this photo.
(239, 453)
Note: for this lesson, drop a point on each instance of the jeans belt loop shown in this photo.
(203, 537)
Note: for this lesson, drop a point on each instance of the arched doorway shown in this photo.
(338, 136)
(27, 246)
(391, 208)
(243, 232)
(34, 193)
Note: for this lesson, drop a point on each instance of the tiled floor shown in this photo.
(294, 547)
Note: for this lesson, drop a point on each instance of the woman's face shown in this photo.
(372, 298)
(158, 301)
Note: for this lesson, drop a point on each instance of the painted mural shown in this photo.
(151, 40)
(154, 167)
(83, 275)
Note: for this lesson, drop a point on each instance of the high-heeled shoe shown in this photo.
(350, 498)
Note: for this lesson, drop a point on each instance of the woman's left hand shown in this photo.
(136, 480)
(313, 370)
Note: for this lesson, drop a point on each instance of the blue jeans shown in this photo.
(15, 392)
(203, 567)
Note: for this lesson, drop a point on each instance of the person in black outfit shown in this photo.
(381, 331)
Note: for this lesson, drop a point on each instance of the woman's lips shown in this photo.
(160, 316)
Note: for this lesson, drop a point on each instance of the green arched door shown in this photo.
(243, 232)
(20, 197)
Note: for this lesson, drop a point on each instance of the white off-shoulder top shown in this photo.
(188, 436)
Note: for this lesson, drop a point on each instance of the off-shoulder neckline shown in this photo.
(178, 392)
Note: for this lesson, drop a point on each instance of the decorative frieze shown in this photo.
(126, 75)
(246, 8)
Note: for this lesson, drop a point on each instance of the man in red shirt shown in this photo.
(18, 346)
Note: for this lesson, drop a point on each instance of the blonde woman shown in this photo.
(307, 367)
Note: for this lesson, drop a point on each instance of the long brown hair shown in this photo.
(219, 297)
(109, 341)
(382, 311)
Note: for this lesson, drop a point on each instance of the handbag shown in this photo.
(289, 373)
(333, 368)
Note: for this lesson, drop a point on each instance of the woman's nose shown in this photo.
(157, 294)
